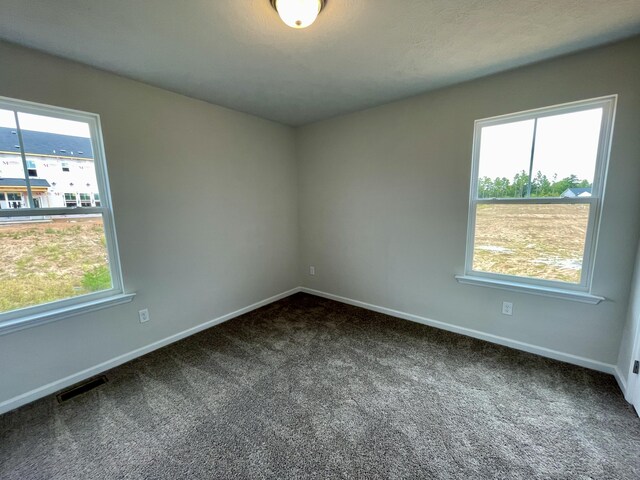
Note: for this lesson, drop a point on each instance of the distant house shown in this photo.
(576, 192)
(60, 168)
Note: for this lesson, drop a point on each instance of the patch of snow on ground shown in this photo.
(493, 248)
(564, 263)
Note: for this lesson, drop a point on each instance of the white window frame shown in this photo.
(67, 200)
(30, 167)
(34, 315)
(81, 200)
(576, 291)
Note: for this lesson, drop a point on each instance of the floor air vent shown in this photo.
(81, 388)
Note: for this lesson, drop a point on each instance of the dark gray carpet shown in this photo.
(310, 388)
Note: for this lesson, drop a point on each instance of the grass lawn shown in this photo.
(42, 262)
(541, 241)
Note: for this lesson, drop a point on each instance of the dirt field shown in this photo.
(541, 241)
(42, 262)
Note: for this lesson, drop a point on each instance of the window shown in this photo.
(58, 253)
(85, 200)
(70, 200)
(14, 200)
(31, 168)
(536, 194)
(96, 199)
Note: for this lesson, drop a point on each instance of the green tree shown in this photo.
(541, 186)
(560, 186)
(520, 185)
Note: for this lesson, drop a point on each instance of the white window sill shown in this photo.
(21, 323)
(575, 296)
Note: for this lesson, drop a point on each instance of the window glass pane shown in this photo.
(505, 157)
(32, 168)
(85, 200)
(7, 119)
(52, 259)
(70, 200)
(531, 240)
(60, 159)
(12, 180)
(566, 151)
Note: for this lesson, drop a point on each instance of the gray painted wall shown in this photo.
(240, 186)
(384, 200)
(376, 200)
(631, 327)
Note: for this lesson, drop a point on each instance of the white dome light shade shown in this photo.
(298, 13)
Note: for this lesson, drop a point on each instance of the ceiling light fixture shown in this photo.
(298, 13)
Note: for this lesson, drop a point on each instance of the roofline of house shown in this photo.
(47, 156)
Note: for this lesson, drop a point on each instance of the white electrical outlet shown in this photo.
(312, 270)
(144, 315)
(507, 308)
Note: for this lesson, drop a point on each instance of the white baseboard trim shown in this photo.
(507, 342)
(622, 382)
(58, 385)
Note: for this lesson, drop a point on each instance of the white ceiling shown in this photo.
(359, 53)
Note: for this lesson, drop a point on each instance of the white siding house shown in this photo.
(60, 169)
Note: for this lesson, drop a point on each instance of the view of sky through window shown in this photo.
(7, 119)
(41, 123)
(565, 146)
